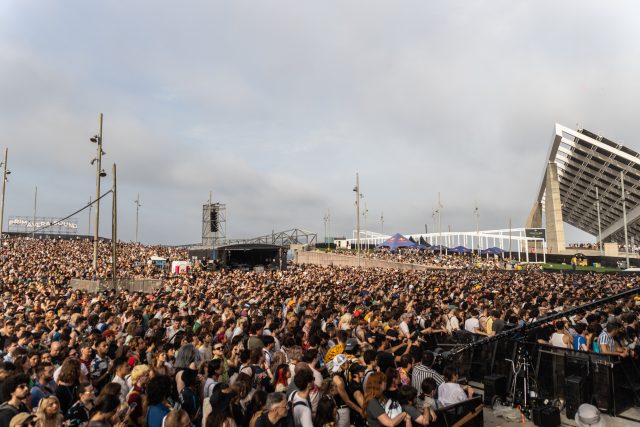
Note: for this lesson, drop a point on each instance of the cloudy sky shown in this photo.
(274, 105)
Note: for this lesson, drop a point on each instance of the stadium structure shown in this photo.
(582, 184)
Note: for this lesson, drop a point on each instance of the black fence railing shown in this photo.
(611, 383)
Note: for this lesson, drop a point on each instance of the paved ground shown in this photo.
(491, 420)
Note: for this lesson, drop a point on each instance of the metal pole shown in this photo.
(137, 211)
(114, 229)
(35, 208)
(624, 218)
(440, 222)
(477, 212)
(357, 190)
(381, 222)
(509, 238)
(4, 182)
(599, 226)
(364, 214)
(325, 219)
(98, 171)
(90, 206)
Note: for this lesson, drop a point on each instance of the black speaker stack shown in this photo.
(546, 416)
(494, 385)
(574, 394)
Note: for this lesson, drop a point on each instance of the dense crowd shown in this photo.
(307, 346)
(433, 258)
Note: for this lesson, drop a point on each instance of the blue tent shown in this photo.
(436, 248)
(397, 241)
(492, 251)
(459, 250)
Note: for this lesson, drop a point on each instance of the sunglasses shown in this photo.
(217, 348)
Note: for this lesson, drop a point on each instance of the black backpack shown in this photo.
(290, 405)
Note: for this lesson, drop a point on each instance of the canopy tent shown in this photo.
(397, 241)
(459, 250)
(492, 251)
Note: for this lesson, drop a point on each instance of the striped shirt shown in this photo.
(420, 372)
(606, 339)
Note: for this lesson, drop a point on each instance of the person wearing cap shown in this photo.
(23, 419)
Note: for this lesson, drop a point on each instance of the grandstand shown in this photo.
(582, 169)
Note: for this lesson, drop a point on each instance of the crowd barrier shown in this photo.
(332, 259)
(131, 285)
(611, 383)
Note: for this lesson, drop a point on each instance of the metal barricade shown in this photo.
(130, 285)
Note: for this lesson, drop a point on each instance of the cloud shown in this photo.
(274, 106)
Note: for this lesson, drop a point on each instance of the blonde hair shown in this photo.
(41, 416)
(139, 371)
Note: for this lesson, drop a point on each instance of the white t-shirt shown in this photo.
(450, 393)
(301, 413)
(404, 328)
(471, 324)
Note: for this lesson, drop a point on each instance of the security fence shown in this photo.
(131, 285)
(611, 383)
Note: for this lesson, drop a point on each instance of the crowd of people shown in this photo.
(306, 346)
(434, 259)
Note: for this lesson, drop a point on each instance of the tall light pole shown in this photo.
(325, 219)
(137, 202)
(35, 208)
(599, 225)
(476, 212)
(364, 215)
(381, 222)
(90, 206)
(356, 189)
(114, 229)
(97, 139)
(4, 182)
(440, 222)
(624, 218)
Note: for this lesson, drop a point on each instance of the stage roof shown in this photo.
(586, 161)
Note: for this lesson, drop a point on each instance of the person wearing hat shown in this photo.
(23, 419)
(588, 416)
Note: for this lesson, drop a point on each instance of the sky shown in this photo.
(273, 106)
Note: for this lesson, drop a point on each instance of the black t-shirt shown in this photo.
(8, 411)
(263, 421)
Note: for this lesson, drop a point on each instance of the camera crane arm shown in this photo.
(524, 329)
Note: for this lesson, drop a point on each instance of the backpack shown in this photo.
(392, 408)
(290, 405)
